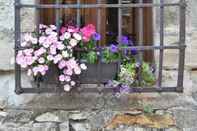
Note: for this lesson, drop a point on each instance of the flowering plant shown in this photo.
(45, 48)
(129, 77)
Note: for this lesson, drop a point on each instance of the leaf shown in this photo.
(91, 57)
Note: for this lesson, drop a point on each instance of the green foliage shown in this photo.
(147, 76)
(108, 56)
(90, 57)
(129, 74)
(148, 109)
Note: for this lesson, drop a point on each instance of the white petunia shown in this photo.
(73, 42)
(23, 44)
(50, 57)
(34, 40)
(48, 31)
(67, 35)
(67, 87)
(77, 71)
(72, 83)
(83, 66)
(65, 54)
(41, 60)
(77, 36)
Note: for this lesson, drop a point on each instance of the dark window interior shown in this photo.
(109, 19)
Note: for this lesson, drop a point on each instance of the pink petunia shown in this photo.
(61, 78)
(42, 39)
(53, 50)
(57, 58)
(40, 51)
(62, 64)
(62, 30)
(68, 72)
(29, 60)
(28, 52)
(72, 29)
(88, 31)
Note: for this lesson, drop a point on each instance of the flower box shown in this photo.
(99, 73)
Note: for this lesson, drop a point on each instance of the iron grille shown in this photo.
(120, 6)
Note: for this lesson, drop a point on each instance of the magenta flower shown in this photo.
(72, 29)
(88, 31)
(62, 30)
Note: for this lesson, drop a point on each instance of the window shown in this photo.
(133, 18)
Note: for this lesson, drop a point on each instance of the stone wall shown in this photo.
(89, 112)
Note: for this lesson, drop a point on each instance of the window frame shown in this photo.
(180, 44)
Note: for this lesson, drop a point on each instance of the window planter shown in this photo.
(101, 72)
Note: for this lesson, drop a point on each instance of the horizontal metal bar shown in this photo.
(129, 48)
(104, 90)
(95, 5)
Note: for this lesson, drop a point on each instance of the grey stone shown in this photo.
(3, 113)
(48, 117)
(18, 116)
(98, 119)
(185, 117)
(62, 115)
(44, 127)
(77, 115)
(64, 126)
(80, 126)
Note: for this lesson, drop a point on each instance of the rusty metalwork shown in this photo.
(99, 5)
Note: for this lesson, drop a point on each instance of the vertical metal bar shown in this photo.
(119, 29)
(161, 43)
(182, 29)
(119, 22)
(18, 88)
(141, 37)
(37, 17)
(78, 14)
(98, 26)
(57, 15)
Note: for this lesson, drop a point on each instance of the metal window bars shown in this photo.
(99, 5)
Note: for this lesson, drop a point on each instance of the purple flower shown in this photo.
(113, 48)
(124, 40)
(133, 51)
(97, 36)
(124, 89)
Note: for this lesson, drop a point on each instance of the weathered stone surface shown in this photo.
(45, 127)
(98, 119)
(21, 116)
(80, 126)
(64, 126)
(185, 118)
(48, 117)
(77, 115)
(152, 121)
